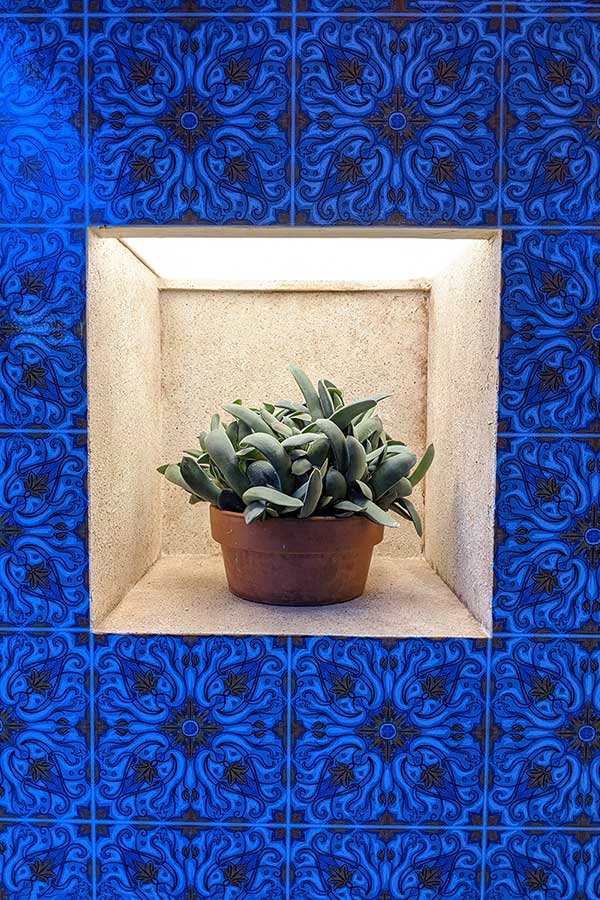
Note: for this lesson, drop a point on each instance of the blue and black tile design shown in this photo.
(42, 309)
(375, 864)
(265, 769)
(41, 97)
(545, 750)
(191, 728)
(388, 733)
(190, 121)
(43, 552)
(550, 355)
(397, 122)
(548, 535)
(51, 860)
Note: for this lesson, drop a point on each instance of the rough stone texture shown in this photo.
(123, 325)
(461, 421)
(188, 595)
(218, 346)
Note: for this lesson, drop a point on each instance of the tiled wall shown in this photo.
(160, 767)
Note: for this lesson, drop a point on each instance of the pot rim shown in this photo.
(337, 519)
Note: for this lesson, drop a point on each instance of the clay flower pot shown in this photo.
(315, 561)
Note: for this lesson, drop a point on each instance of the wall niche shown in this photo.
(164, 353)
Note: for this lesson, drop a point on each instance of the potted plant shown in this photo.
(300, 493)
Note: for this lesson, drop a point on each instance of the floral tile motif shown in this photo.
(191, 6)
(42, 356)
(149, 863)
(545, 751)
(41, 97)
(524, 865)
(190, 120)
(191, 728)
(397, 121)
(329, 865)
(50, 861)
(388, 734)
(44, 757)
(547, 558)
(43, 557)
(551, 151)
(550, 355)
(400, 6)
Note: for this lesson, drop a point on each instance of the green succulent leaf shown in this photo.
(229, 501)
(337, 440)
(348, 506)
(413, 514)
(335, 484)
(391, 471)
(357, 459)
(254, 510)
(300, 440)
(369, 428)
(318, 451)
(346, 414)
(308, 392)
(301, 466)
(248, 417)
(420, 471)
(325, 399)
(276, 426)
(215, 422)
(402, 488)
(198, 481)
(261, 472)
(220, 449)
(272, 450)
(377, 515)
(271, 496)
(173, 474)
(314, 486)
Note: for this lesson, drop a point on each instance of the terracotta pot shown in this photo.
(296, 562)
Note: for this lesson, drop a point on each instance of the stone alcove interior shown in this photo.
(163, 353)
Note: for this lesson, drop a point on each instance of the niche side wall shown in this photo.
(461, 422)
(124, 414)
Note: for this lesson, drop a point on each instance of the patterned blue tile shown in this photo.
(40, 7)
(550, 866)
(333, 865)
(547, 558)
(545, 751)
(45, 861)
(192, 6)
(44, 725)
(41, 148)
(550, 356)
(397, 121)
(552, 120)
(438, 7)
(42, 357)
(191, 728)
(190, 120)
(148, 863)
(43, 556)
(388, 734)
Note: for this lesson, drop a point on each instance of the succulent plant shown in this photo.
(320, 457)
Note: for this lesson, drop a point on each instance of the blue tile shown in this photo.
(190, 120)
(388, 734)
(190, 6)
(551, 149)
(555, 866)
(43, 555)
(334, 865)
(41, 97)
(439, 7)
(40, 7)
(42, 356)
(397, 122)
(153, 863)
(44, 719)
(547, 557)
(545, 752)
(50, 861)
(191, 728)
(550, 354)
